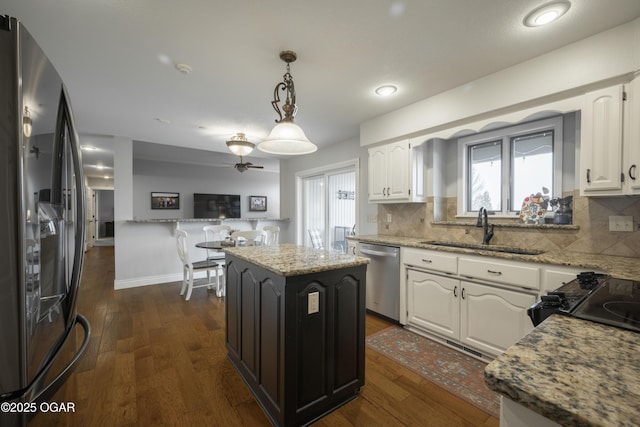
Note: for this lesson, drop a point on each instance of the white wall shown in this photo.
(146, 251)
(563, 73)
(186, 179)
(325, 157)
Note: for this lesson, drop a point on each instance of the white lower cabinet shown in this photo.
(493, 319)
(433, 303)
(484, 318)
(475, 302)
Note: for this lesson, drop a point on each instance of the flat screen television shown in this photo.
(216, 205)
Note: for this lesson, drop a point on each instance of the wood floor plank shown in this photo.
(156, 360)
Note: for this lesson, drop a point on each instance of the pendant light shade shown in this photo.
(286, 138)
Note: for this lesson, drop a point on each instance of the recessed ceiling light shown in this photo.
(386, 90)
(546, 13)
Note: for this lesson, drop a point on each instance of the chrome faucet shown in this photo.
(483, 222)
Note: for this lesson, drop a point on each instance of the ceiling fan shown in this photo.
(239, 145)
(241, 167)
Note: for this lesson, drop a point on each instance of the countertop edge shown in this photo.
(616, 266)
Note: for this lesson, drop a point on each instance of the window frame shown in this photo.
(505, 134)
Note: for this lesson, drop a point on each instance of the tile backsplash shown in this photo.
(590, 215)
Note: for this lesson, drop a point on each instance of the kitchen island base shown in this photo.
(297, 341)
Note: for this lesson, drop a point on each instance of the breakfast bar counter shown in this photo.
(571, 372)
(295, 328)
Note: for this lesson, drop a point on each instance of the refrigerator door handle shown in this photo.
(46, 392)
(64, 123)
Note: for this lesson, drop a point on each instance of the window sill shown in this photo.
(511, 225)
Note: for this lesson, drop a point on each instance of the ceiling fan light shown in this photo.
(239, 145)
(287, 138)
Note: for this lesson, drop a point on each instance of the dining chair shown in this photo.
(316, 238)
(251, 237)
(273, 234)
(189, 268)
(213, 233)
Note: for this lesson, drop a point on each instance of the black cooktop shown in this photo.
(595, 297)
(614, 302)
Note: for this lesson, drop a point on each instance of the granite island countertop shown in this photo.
(619, 267)
(574, 372)
(292, 260)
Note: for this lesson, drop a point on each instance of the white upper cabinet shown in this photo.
(609, 142)
(396, 173)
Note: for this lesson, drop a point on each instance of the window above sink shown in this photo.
(499, 168)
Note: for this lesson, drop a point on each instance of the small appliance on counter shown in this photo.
(596, 297)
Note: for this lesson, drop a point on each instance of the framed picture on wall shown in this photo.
(165, 200)
(257, 203)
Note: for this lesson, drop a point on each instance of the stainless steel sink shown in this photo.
(491, 248)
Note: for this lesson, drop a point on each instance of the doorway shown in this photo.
(103, 224)
(327, 205)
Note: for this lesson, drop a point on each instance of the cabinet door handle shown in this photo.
(455, 291)
(428, 261)
(388, 191)
(588, 176)
(497, 273)
(632, 176)
(462, 293)
(384, 191)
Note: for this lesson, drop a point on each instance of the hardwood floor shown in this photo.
(156, 360)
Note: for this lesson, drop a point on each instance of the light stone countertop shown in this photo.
(574, 372)
(291, 260)
(619, 267)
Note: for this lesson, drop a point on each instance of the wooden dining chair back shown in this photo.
(273, 234)
(189, 267)
(249, 237)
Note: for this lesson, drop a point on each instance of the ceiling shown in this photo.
(118, 59)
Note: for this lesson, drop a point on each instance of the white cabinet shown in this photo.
(433, 303)
(493, 319)
(396, 173)
(474, 302)
(610, 141)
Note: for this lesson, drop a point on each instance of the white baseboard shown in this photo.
(146, 281)
(152, 280)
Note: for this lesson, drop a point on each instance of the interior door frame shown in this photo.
(347, 165)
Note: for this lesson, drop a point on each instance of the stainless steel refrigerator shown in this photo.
(42, 211)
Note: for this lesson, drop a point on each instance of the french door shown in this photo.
(327, 206)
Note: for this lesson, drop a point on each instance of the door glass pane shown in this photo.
(485, 176)
(532, 166)
(341, 196)
(313, 210)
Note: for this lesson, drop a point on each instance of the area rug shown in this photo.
(452, 370)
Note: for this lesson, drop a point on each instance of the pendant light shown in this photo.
(286, 138)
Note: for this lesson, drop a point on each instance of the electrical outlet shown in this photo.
(388, 217)
(620, 223)
(314, 302)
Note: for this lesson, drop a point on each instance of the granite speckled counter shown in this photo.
(573, 372)
(291, 260)
(620, 267)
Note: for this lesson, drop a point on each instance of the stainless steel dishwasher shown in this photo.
(383, 279)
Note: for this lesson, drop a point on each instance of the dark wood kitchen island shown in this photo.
(295, 328)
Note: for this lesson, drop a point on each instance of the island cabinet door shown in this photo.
(325, 315)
